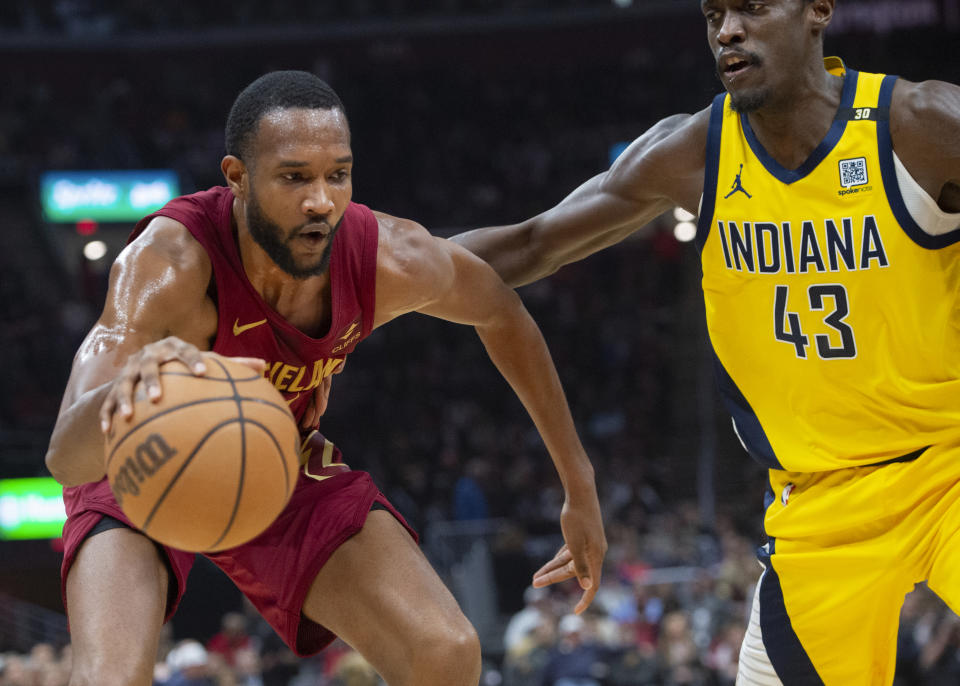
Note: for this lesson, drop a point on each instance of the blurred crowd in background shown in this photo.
(634, 635)
(454, 130)
(117, 16)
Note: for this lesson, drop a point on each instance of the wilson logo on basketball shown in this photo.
(147, 458)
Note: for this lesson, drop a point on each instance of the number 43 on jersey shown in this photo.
(821, 298)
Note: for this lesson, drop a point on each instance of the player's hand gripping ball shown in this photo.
(211, 464)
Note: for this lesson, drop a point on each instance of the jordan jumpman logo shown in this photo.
(737, 186)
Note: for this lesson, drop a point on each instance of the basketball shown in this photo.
(211, 464)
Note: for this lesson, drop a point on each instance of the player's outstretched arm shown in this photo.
(156, 293)
(417, 272)
(660, 169)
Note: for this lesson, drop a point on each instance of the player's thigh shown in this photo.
(380, 594)
(116, 597)
(823, 617)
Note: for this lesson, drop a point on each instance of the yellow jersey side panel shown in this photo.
(833, 319)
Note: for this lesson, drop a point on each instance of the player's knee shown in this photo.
(452, 656)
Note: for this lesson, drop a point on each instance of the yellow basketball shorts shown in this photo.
(844, 549)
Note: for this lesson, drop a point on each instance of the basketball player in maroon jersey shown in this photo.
(281, 269)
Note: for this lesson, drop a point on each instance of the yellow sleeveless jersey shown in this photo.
(832, 314)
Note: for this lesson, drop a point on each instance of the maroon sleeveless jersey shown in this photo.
(248, 326)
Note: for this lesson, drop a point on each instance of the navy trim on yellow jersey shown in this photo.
(888, 171)
(711, 169)
(768, 498)
(745, 420)
(787, 656)
(833, 136)
(781, 643)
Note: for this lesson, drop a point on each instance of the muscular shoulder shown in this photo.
(412, 266)
(925, 127)
(667, 161)
(402, 245)
(168, 243)
(160, 280)
(917, 107)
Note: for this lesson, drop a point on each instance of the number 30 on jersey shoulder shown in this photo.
(788, 329)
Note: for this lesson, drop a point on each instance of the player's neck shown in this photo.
(790, 128)
(305, 303)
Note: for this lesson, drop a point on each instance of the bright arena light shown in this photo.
(94, 250)
(685, 231)
(681, 215)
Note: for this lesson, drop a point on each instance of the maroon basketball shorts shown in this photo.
(330, 503)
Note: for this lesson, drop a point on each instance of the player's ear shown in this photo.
(820, 12)
(234, 172)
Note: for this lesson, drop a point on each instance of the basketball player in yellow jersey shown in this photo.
(829, 229)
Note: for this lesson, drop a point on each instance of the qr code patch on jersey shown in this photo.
(853, 172)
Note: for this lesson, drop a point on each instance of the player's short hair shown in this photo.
(274, 90)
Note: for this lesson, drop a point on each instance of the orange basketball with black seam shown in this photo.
(211, 464)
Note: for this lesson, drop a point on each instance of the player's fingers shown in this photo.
(123, 394)
(150, 376)
(107, 409)
(189, 354)
(586, 565)
(558, 569)
(589, 578)
(322, 396)
(586, 599)
(555, 575)
(310, 417)
(563, 557)
(317, 406)
(314, 413)
(583, 578)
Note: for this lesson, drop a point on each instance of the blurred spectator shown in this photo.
(469, 497)
(353, 670)
(278, 663)
(724, 654)
(940, 657)
(189, 665)
(679, 657)
(918, 619)
(232, 637)
(706, 609)
(17, 671)
(537, 611)
(634, 664)
(576, 660)
(524, 665)
(247, 667)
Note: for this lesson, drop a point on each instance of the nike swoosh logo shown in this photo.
(239, 329)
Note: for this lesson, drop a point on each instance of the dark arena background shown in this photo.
(464, 113)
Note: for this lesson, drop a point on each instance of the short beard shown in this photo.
(744, 103)
(271, 238)
(751, 101)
